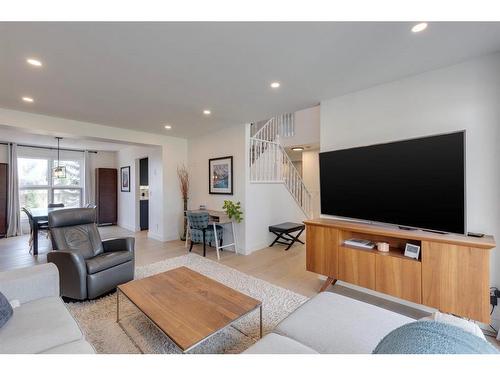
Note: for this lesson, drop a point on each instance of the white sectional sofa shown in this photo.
(41, 324)
(330, 323)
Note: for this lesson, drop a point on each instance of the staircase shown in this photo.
(269, 162)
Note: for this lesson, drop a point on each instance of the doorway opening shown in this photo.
(144, 194)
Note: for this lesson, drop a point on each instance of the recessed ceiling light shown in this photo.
(298, 148)
(28, 99)
(419, 27)
(275, 85)
(168, 126)
(34, 62)
(206, 112)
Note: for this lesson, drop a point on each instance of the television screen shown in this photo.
(415, 183)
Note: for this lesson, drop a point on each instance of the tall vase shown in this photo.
(184, 220)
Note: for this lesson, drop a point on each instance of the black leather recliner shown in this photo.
(88, 267)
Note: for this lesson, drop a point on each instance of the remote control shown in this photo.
(472, 234)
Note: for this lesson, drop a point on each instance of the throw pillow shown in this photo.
(5, 310)
(430, 337)
(457, 322)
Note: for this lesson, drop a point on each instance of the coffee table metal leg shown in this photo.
(260, 321)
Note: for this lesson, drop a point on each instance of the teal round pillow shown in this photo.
(430, 337)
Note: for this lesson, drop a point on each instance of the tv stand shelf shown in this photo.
(451, 275)
(393, 252)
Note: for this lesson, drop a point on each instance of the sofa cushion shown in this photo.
(75, 347)
(331, 323)
(107, 260)
(5, 310)
(37, 326)
(277, 344)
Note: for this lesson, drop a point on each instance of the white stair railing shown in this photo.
(269, 163)
(279, 126)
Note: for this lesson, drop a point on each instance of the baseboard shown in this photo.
(159, 237)
(155, 236)
(254, 247)
(127, 227)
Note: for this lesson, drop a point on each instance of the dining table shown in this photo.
(39, 215)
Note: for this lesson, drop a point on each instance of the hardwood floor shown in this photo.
(284, 268)
(273, 264)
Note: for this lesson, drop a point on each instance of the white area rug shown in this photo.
(98, 318)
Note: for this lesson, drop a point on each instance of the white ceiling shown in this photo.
(144, 75)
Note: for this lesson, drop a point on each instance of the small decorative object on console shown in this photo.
(383, 247)
(412, 251)
(356, 242)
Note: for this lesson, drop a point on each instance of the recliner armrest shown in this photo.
(72, 273)
(119, 244)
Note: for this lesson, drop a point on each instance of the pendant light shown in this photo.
(59, 171)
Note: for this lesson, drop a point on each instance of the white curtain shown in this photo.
(87, 188)
(13, 209)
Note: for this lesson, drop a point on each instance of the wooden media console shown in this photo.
(452, 273)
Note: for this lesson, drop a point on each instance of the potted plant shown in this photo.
(233, 210)
(183, 175)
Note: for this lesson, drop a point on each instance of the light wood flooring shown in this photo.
(284, 268)
(273, 264)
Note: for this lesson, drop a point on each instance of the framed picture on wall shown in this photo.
(220, 175)
(125, 179)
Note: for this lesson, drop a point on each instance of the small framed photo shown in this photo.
(412, 251)
(125, 179)
(220, 175)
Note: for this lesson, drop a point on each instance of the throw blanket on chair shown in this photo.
(429, 337)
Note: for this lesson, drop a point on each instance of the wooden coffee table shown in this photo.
(187, 306)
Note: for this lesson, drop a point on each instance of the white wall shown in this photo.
(464, 96)
(307, 128)
(268, 204)
(174, 154)
(310, 175)
(4, 154)
(128, 202)
(225, 142)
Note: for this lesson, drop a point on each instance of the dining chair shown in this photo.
(200, 231)
(55, 205)
(42, 226)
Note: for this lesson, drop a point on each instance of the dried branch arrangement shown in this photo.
(183, 175)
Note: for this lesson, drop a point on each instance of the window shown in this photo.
(38, 188)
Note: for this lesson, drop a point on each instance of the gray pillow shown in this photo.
(5, 310)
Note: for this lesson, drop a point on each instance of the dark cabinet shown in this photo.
(143, 172)
(3, 198)
(144, 214)
(106, 192)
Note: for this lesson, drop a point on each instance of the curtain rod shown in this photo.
(48, 148)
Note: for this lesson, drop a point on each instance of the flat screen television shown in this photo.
(415, 183)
